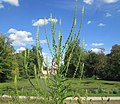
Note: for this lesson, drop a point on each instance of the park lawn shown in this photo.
(91, 83)
(96, 87)
(93, 87)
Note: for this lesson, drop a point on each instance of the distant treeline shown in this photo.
(97, 65)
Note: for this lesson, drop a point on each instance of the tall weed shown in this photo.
(54, 88)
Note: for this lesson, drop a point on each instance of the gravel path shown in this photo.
(69, 98)
(96, 98)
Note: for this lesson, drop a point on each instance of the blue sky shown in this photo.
(19, 18)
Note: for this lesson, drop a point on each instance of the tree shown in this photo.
(101, 65)
(95, 64)
(76, 60)
(20, 62)
(6, 57)
(90, 61)
(32, 60)
(113, 67)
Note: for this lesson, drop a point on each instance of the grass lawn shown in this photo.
(94, 87)
(97, 87)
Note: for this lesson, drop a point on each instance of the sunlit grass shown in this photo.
(95, 87)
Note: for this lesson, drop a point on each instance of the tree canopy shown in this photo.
(103, 66)
(6, 57)
(76, 59)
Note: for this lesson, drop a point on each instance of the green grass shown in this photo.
(25, 101)
(94, 87)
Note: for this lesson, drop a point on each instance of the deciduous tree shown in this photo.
(6, 57)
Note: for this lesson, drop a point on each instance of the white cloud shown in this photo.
(43, 41)
(40, 22)
(20, 49)
(96, 50)
(88, 1)
(108, 15)
(97, 44)
(1, 6)
(12, 2)
(101, 24)
(110, 1)
(89, 22)
(12, 30)
(86, 45)
(20, 38)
